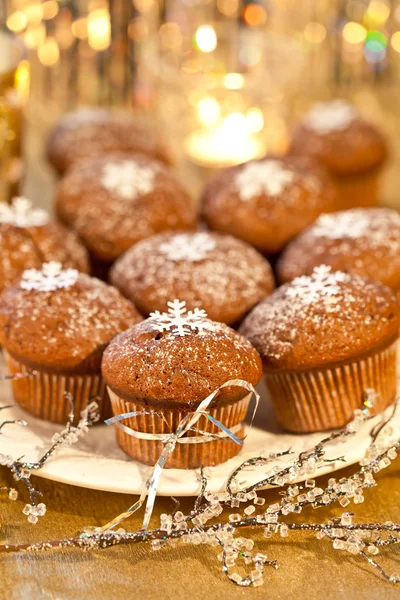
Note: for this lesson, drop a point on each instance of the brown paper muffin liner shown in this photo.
(42, 394)
(322, 399)
(185, 456)
(359, 191)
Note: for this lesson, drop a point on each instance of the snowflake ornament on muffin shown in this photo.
(191, 247)
(179, 321)
(21, 213)
(323, 285)
(263, 177)
(129, 179)
(324, 117)
(51, 277)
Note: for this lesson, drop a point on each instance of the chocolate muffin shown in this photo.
(267, 202)
(325, 340)
(114, 201)
(28, 239)
(166, 366)
(222, 274)
(57, 323)
(352, 149)
(361, 241)
(97, 131)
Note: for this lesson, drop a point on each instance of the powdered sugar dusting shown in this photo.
(190, 247)
(128, 179)
(21, 213)
(325, 117)
(51, 277)
(263, 177)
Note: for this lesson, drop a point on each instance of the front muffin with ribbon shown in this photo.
(180, 386)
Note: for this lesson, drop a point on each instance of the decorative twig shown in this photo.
(22, 470)
(201, 525)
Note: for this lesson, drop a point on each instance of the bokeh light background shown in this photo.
(224, 78)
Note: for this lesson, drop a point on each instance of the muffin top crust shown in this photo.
(96, 131)
(322, 319)
(335, 134)
(114, 201)
(61, 319)
(363, 242)
(267, 202)
(28, 239)
(224, 275)
(177, 361)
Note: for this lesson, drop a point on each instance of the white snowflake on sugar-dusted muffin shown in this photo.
(179, 321)
(374, 224)
(50, 278)
(192, 247)
(128, 179)
(324, 117)
(323, 285)
(21, 213)
(263, 177)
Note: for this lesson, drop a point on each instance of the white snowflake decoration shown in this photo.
(263, 177)
(128, 179)
(357, 223)
(179, 321)
(322, 285)
(21, 213)
(52, 277)
(325, 117)
(192, 248)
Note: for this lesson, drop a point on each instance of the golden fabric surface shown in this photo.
(308, 568)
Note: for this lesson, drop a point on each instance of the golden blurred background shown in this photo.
(223, 78)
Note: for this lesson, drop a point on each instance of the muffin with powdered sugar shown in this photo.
(55, 323)
(218, 272)
(352, 149)
(267, 202)
(325, 340)
(28, 238)
(361, 241)
(164, 367)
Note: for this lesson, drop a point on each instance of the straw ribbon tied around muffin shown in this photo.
(171, 439)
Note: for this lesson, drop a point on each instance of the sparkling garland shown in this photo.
(201, 525)
(22, 470)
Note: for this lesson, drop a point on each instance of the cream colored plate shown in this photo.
(97, 462)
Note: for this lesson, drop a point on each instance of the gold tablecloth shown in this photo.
(308, 568)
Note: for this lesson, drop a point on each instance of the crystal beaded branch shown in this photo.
(22, 470)
(202, 526)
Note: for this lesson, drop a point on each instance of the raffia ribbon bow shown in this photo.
(170, 440)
